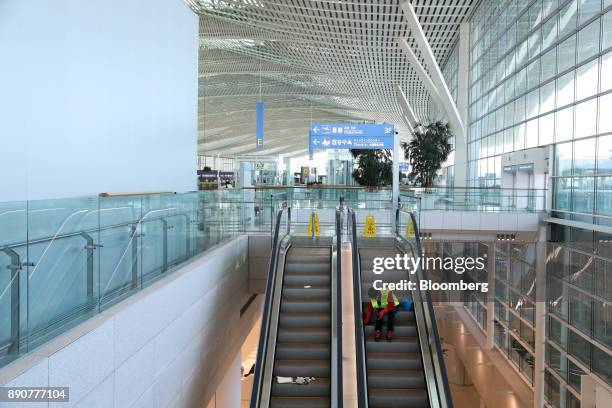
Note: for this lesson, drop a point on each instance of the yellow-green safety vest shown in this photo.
(384, 295)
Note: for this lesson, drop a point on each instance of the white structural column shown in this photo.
(420, 71)
(461, 154)
(408, 124)
(396, 160)
(444, 96)
(228, 393)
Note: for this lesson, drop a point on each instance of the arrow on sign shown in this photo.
(315, 129)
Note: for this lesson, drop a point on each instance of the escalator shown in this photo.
(303, 344)
(409, 371)
(394, 369)
(299, 335)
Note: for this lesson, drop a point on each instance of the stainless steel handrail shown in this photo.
(429, 338)
(362, 380)
(338, 310)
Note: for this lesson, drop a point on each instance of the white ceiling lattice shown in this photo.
(309, 60)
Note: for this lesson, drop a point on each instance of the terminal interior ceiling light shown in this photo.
(310, 61)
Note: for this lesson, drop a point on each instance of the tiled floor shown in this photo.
(465, 396)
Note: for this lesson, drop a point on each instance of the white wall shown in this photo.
(166, 346)
(97, 96)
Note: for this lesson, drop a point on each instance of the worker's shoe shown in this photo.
(389, 335)
(378, 335)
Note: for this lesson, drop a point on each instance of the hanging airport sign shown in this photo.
(351, 136)
(259, 134)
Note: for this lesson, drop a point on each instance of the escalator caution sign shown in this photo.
(410, 228)
(314, 221)
(370, 226)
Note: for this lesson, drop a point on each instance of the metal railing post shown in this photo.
(90, 247)
(165, 229)
(15, 267)
(134, 255)
(187, 234)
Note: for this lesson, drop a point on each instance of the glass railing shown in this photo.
(328, 197)
(479, 199)
(64, 260)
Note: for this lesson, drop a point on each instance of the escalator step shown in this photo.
(304, 278)
(308, 306)
(311, 251)
(290, 402)
(302, 351)
(304, 335)
(398, 345)
(304, 320)
(394, 361)
(397, 398)
(396, 379)
(308, 368)
(299, 292)
(318, 388)
(306, 268)
(300, 258)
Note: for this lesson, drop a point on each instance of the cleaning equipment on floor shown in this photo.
(297, 380)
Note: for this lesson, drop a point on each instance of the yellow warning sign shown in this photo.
(370, 226)
(410, 233)
(314, 219)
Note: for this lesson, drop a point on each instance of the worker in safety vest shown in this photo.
(384, 303)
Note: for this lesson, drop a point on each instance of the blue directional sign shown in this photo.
(404, 167)
(259, 118)
(351, 136)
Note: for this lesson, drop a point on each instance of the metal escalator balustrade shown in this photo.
(436, 376)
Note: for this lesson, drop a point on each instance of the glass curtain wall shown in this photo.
(450, 72)
(541, 73)
(578, 323)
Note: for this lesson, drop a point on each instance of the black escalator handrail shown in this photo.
(265, 320)
(339, 307)
(362, 386)
(442, 376)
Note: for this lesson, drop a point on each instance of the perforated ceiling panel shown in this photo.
(309, 61)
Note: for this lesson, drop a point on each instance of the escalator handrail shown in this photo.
(265, 319)
(339, 308)
(362, 395)
(443, 377)
(439, 365)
